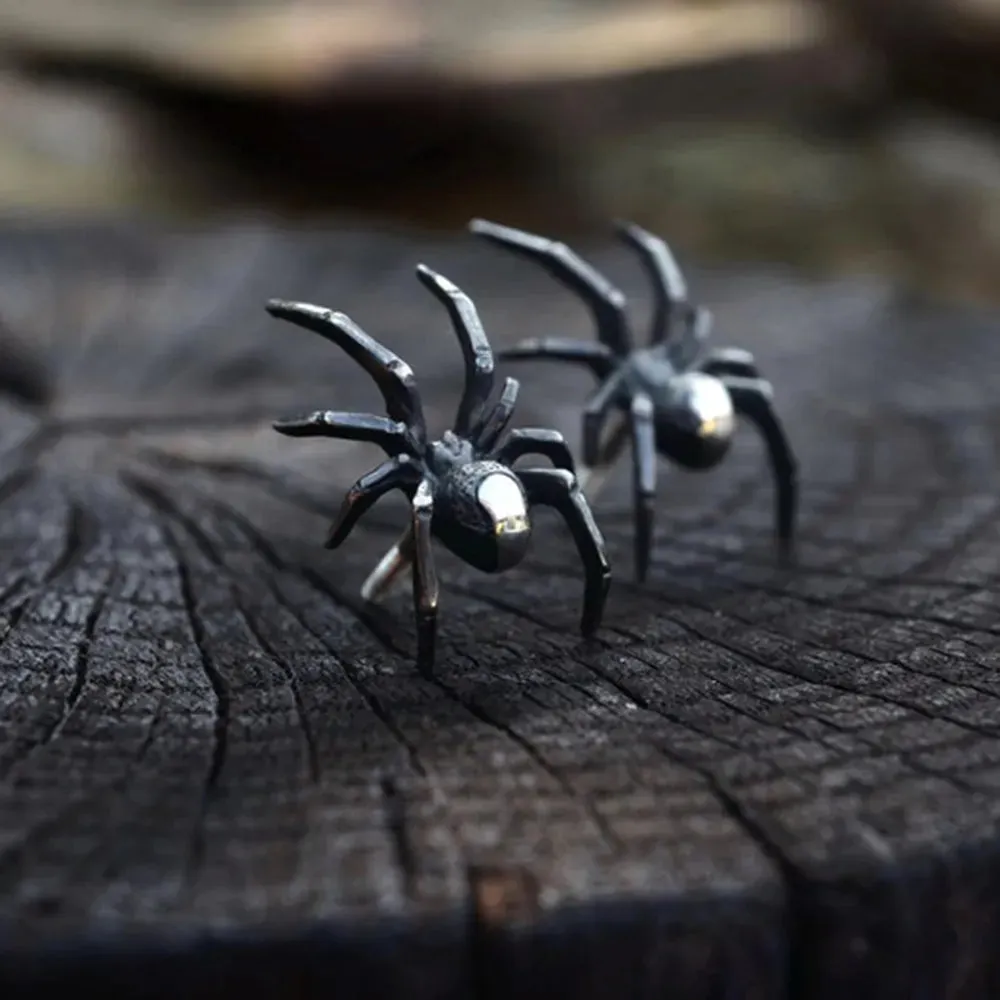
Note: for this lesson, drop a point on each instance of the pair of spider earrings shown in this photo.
(671, 397)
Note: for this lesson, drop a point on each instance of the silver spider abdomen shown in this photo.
(695, 425)
(482, 514)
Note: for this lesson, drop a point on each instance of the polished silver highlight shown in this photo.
(709, 402)
(501, 495)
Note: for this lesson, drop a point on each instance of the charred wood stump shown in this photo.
(220, 772)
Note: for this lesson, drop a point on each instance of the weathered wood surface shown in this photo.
(218, 772)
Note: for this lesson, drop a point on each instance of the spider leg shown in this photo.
(669, 287)
(605, 302)
(391, 436)
(596, 412)
(753, 399)
(399, 473)
(730, 361)
(394, 378)
(597, 357)
(476, 350)
(684, 351)
(600, 449)
(485, 434)
(643, 480)
(591, 478)
(535, 441)
(425, 582)
(558, 488)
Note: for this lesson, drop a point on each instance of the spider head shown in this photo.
(485, 516)
(697, 423)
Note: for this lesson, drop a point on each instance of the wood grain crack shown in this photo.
(80, 534)
(370, 621)
(394, 808)
(534, 754)
(165, 512)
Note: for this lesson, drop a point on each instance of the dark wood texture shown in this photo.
(218, 772)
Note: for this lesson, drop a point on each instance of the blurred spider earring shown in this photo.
(671, 396)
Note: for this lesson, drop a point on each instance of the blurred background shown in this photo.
(831, 135)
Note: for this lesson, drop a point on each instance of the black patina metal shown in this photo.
(462, 488)
(676, 398)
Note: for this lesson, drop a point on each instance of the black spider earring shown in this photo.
(674, 400)
(462, 489)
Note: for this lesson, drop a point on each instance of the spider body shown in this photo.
(480, 510)
(676, 399)
(692, 413)
(462, 487)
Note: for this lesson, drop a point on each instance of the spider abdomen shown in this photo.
(481, 514)
(694, 421)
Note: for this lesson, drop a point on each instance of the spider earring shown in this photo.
(462, 489)
(670, 397)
